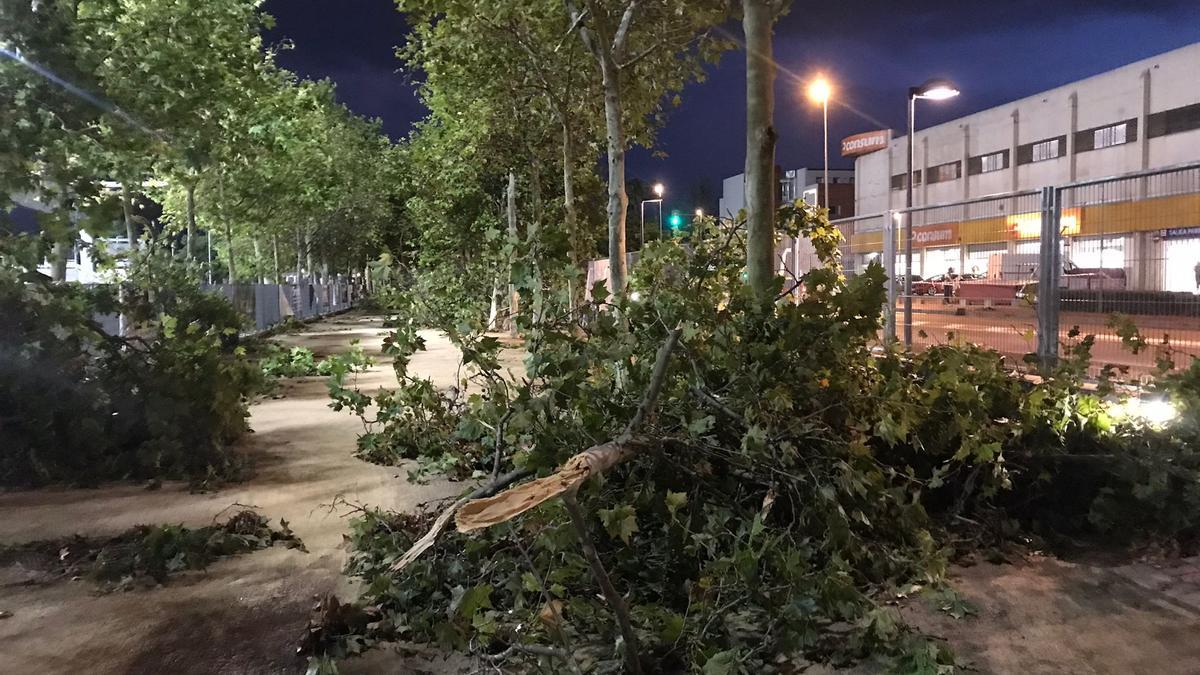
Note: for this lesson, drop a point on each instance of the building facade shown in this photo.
(1137, 118)
(795, 184)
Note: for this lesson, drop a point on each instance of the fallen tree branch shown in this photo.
(483, 513)
(484, 491)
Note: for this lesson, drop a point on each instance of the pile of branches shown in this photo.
(147, 554)
(725, 485)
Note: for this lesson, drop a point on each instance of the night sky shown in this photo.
(873, 50)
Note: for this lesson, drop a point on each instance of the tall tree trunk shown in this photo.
(571, 212)
(494, 310)
(309, 268)
(576, 250)
(618, 200)
(514, 296)
(532, 232)
(275, 254)
(127, 212)
(758, 18)
(258, 261)
(229, 257)
(191, 219)
(299, 256)
(58, 266)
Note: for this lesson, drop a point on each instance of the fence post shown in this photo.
(888, 260)
(1049, 277)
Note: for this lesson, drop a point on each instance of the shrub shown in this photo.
(82, 406)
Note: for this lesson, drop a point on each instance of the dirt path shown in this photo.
(1046, 616)
(243, 614)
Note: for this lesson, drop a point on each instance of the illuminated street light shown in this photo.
(699, 213)
(936, 90)
(932, 90)
(819, 91)
(658, 192)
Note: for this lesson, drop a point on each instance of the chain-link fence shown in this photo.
(1130, 247)
(1025, 272)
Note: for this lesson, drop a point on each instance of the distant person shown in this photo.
(1197, 268)
(948, 286)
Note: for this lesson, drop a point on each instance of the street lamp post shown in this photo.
(818, 92)
(658, 192)
(933, 90)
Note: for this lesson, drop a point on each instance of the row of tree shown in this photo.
(525, 97)
(111, 105)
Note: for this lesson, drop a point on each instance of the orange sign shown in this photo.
(861, 144)
(941, 234)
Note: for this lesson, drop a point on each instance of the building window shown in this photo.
(898, 180)
(993, 161)
(944, 172)
(1045, 150)
(1173, 121)
(1109, 136)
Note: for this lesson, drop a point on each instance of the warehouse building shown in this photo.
(1137, 118)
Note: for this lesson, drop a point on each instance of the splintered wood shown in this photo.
(482, 513)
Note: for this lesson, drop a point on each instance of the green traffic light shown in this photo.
(676, 221)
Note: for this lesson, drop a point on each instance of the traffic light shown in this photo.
(675, 221)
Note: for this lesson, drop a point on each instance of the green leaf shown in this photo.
(721, 663)
(478, 597)
(675, 501)
(620, 522)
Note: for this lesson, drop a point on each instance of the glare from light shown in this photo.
(699, 213)
(659, 190)
(819, 90)
(635, 296)
(1156, 412)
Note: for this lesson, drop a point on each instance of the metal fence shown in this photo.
(1025, 272)
(268, 305)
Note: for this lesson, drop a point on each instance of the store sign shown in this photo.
(1182, 233)
(861, 144)
(1029, 225)
(942, 234)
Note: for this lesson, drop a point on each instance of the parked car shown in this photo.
(934, 285)
(916, 279)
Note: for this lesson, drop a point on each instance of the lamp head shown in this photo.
(936, 90)
(658, 190)
(819, 90)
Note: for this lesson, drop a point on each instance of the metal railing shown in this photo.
(1025, 272)
(268, 305)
